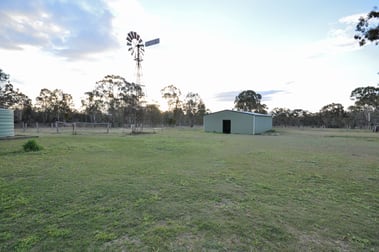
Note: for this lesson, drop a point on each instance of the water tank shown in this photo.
(6, 123)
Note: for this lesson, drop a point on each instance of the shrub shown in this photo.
(32, 145)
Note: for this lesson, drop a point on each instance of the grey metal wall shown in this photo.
(6, 123)
(262, 124)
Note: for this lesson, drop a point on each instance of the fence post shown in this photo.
(37, 127)
(108, 128)
(56, 126)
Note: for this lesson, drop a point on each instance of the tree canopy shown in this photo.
(11, 97)
(366, 96)
(249, 100)
(368, 28)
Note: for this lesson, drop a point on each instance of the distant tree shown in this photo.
(23, 110)
(368, 28)
(193, 104)
(152, 115)
(249, 100)
(14, 99)
(333, 115)
(92, 106)
(115, 96)
(54, 105)
(366, 96)
(357, 117)
(3, 76)
(281, 117)
(201, 112)
(173, 96)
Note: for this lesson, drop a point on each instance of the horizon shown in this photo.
(298, 55)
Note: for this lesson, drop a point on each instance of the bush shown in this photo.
(32, 145)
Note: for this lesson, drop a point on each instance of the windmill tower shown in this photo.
(137, 50)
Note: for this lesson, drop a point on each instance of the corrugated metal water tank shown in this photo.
(6, 123)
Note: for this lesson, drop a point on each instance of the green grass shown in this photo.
(186, 190)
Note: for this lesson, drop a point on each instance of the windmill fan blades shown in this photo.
(129, 37)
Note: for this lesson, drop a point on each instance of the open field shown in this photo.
(186, 190)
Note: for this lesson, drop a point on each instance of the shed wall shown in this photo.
(262, 124)
(6, 123)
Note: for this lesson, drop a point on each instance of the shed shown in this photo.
(237, 122)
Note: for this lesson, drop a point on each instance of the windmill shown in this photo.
(137, 50)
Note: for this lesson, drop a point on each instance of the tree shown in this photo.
(55, 105)
(366, 96)
(172, 95)
(3, 76)
(333, 115)
(152, 115)
(368, 28)
(192, 106)
(249, 100)
(92, 106)
(12, 98)
(115, 96)
(281, 116)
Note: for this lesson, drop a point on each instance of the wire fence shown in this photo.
(80, 128)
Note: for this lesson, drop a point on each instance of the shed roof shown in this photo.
(241, 112)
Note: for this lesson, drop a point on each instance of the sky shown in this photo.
(298, 54)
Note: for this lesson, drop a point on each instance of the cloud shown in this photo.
(231, 95)
(340, 39)
(226, 96)
(267, 94)
(66, 28)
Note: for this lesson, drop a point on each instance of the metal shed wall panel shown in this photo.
(6, 123)
(262, 124)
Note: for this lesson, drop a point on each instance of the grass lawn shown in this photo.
(186, 190)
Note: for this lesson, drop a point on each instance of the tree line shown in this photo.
(121, 103)
(113, 100)
(363, 114)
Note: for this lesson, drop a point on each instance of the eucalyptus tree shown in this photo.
(55, 105)
(281, 117)
(13, 98)
(249, 100)
(333, 115)
(194, 107)
(92, 106)
(116, 97)
(368, 28)
(172, 95)
(366, 96)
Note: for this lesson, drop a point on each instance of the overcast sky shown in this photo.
(296, 53)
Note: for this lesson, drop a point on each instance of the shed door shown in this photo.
(226, 126)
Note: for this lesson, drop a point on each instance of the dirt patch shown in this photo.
(122, 243)
(315, 242)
